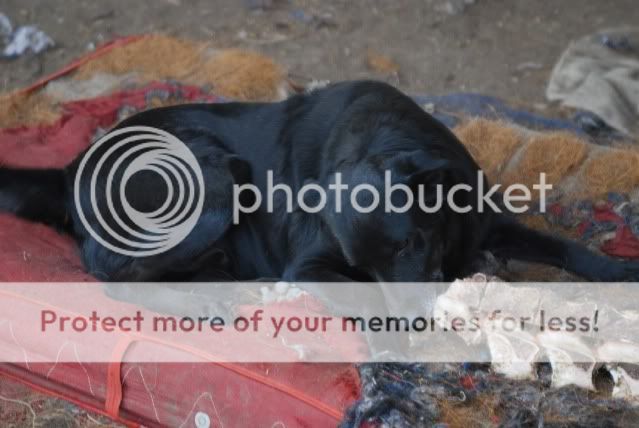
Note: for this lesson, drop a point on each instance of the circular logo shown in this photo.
(123, 228)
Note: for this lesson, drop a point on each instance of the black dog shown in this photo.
(359, 129)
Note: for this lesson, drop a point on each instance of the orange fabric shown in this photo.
(114, 378)
(101, 50)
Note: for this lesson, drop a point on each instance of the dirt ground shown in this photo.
(505, 48)
(23, 407)
(499, 47)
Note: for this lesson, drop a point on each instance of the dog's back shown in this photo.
(306, 137)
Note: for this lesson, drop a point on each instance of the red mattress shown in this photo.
(150, 394)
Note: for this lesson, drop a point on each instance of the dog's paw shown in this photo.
(210, 310)
(164, 299)
(630, 271)
(128, 292)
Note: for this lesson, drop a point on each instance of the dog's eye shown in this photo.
(402, 245)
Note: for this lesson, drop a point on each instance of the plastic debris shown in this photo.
(625, 386)
(259, 4)
(315, 85)
(617, 43)
(6, 29)
(281, 292)
(24, 39)
(301, 15)
(454, 7)
(316, 20)
(593, 125)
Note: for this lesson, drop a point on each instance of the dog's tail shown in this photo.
(38, 195)
(508, 239)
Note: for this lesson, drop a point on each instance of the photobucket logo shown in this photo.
(116, 158)
(513, 197)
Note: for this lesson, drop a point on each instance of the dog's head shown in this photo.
(409, 233)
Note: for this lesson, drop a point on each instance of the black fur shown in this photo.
(359, 129)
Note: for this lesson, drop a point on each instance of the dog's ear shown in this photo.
(239, 168)
(419, 167)
(430, 175)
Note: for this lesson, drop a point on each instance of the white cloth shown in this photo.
(593, 76)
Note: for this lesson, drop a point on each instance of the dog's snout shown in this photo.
(437, 276)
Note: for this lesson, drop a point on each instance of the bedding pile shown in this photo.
(595, 199)
(47, 125)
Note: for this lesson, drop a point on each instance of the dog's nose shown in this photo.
(437, 276)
